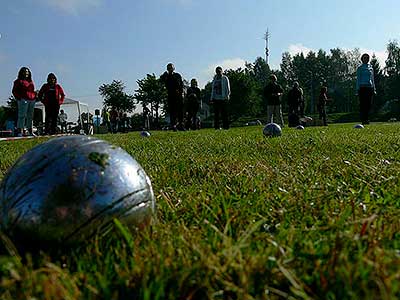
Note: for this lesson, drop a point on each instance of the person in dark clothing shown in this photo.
(220, 94)
(272, 96)
(193, 101)
(322, 101)
(174, 85)
(52, 96)
(365, 87)
(295, 101)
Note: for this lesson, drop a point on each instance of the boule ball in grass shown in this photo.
(300, 127)
(145, 133)
(70, 188)
(359, 126)
(272, 130)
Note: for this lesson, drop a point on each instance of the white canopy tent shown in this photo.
(70, 102)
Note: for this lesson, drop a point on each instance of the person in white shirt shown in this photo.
(62, 118)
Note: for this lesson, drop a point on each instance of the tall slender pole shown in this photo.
(267, 35)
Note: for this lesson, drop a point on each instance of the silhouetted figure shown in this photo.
(193, 102)
(174, 85)
(220, 94)
(322, 101)
(62, 118)
(295, 102)
(272, 95)
(365, 87)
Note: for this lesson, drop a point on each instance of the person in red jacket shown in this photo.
(24, 92)
(52, 96)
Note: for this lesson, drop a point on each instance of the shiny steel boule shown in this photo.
(70, 188)
(272, 130)
(300, 127)
(145, 133)
(359, 126)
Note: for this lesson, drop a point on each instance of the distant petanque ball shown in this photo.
(272, 130)
(359, 126)
(70, 188)
(300, 127)
(145, 134)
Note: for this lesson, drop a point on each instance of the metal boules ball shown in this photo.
(272, 130)
(300, 127)
(145, 133)
(359, 126)
(70, 188)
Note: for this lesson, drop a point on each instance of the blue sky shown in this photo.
(91, 42)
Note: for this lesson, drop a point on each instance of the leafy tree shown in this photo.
(379, 77)
(393, 71)
(151, 92)
(114, 96)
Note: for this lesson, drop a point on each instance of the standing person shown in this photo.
(114, 120)
(365, 87)
(295, 100)
(24, 92)
(193, 101)
(105, 115)
(322, 100)
(220, 94)
(63, 117)
(272, 95)
(146, 118)
(174, 84)
(52, 96)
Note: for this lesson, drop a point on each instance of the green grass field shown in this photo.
(314, 214)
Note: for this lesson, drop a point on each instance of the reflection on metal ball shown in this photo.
(145, 133)
(69, 188)
(300, 127)
(272, 130)
(359, 126)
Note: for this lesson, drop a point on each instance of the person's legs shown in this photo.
(180, 111)
(29, 116)
(22, 114)
(225, 114)
(323, 112)
(365, 96)
(172, 111)
(270, 112)
(278, 114)
(217, 111)
(54, 117)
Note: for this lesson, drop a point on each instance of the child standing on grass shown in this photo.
(24, 92)
(365, 87)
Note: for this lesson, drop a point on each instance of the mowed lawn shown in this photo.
(313, 214)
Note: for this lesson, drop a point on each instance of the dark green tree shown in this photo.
(114, 96)
(152, 95)
(393, 71)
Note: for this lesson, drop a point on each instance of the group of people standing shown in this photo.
(176, 103)
(365, 89)
(51, 94)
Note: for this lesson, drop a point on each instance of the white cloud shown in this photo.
(73, 6)
(208, 73)
(233, 63)
(299, 48)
